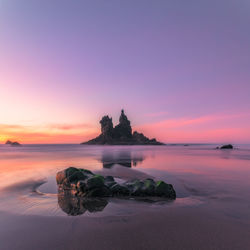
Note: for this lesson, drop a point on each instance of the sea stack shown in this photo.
(121, 134)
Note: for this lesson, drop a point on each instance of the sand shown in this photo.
(211, 210)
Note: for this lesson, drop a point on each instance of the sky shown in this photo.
(180, 69)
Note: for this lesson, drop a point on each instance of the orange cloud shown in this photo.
(53, 133)
(71, 126)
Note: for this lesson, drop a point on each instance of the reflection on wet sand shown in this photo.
(124, 158)
(73, 205)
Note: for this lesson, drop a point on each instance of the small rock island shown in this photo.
(226, 146)
(121, 134)
(15, 143)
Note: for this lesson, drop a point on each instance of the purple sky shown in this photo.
(70, 62)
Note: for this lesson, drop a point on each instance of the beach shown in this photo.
(211, 210)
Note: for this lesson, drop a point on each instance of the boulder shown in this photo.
(119, 190)
(72, 174)
(164, 189)
(81, 186)
(95, 182)
(102, 191)
(149, 187)
(83, 183)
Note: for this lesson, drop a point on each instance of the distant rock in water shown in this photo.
(83, 183)
(227, 146)
(15, 143)
(120, 134)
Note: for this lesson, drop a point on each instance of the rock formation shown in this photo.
(120, 134)
(15, 143)
(85, 184)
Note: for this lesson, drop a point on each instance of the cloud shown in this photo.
(71, 126)
(186, 121)
(51, 133)
(208, 128)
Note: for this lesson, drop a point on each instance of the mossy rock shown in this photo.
(84, 183)
(100, 176)
(65, 175)
(118, 189)
(71, 170)
(164, 189)
(149, 187)
(86, 171)
(102, 191)
(81, 186)
(77, 176)
(137, 189)
(95, 182)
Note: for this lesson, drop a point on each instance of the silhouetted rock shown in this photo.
(107, 127)
(120, 134)
(140, 139)
(83, 183)
(15, 143)
(123, 130)
(227, 146)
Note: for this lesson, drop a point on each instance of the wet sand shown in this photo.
(211, 210)
(174, 228)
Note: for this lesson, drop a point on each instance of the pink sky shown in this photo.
(180, 71)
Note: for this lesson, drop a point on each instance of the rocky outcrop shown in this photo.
(83, 183)
(15, 143)
(123, 130)
(120, 134)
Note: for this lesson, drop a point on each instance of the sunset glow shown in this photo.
(178, 81)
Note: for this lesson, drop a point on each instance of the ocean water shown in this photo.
(212, 209)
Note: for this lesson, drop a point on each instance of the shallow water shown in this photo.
(212, 209)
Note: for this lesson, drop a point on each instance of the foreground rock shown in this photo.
(83, 183)
(15, 143)
(227, 146)
(120, 134)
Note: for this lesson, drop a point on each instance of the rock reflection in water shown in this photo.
(73, 205)
(124, 158)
